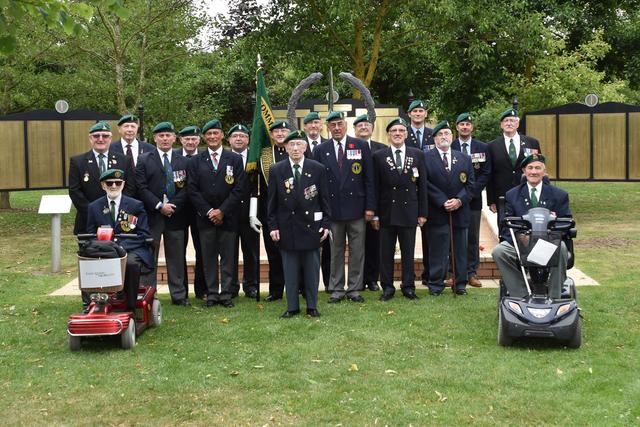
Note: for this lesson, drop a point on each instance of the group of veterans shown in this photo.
(318, 198)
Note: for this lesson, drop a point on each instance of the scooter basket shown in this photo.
(527, 241)
(101, 274)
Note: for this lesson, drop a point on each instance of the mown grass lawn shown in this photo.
(433, 361)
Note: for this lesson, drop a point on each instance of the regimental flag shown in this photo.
(260, 145)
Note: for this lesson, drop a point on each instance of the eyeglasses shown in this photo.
(113, 183)
(100, 135)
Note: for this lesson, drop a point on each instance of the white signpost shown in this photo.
(55, 206)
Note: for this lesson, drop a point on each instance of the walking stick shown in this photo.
(452, 256)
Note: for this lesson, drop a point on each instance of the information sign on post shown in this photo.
(55, 206)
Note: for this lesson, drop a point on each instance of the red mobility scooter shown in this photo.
(107, 314)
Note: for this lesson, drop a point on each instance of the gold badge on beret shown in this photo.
(356, 168)
(463, 177)
(117, 174)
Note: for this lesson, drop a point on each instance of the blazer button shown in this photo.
(306, 212)
(393, 201)
(394, 188)
(293, 212)
(308, 226)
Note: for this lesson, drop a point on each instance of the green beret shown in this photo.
(112, 174)
(311, 116)
(238, 128)
(189, 131)
(100, 126)
(296, 134)
(212, 124)
(164, 127)
(335, 115)
(464, 117)
(361, 118)
(280, 124)
(532, 158)
(416, 104)
(129, 118)
(509, 113)
(396, 121)
(442, 125)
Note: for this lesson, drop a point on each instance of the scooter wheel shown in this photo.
(128, 337)
(75, 343)
(576, 340)
(156, 313)
(503, 338)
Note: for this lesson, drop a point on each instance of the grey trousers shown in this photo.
(217, 244)
(354, 232)
(506, 259)
(309, 263)
(439, 256)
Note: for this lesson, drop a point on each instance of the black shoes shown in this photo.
(372, 286)
(386, 296)
(355, 298)
(227, 303)
(251, 293)
(210, 303)
(289, 314)
(272, 297)
(312, 312)
(435, 293)
(460, 291)
(410, 295)
(182, 302)
(334, 300)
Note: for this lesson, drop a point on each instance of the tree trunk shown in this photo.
(5, 203)
(359, 67)
(119, 68)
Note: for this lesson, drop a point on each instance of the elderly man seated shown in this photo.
(125, 215)
(531, 194)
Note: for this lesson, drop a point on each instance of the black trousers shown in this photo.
(407, 238)
(425, 253)
(371, 271)
(249, 241)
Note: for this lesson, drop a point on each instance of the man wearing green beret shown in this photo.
(530, 194)
(84, 176)
(298, 220)
(419, 135)
(353, 202)
(278, 132)
(247, 238)
(216, 182)
(312, 126)
(125, 215)
(161, 179)
(363, 129)
(128, 143)
(479, 153)
(506, 152)
(189, 140)
(401, 180)
(450, 177)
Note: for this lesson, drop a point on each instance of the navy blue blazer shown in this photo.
(444, 185)
(503, 175)
(151, 185)
(351, 191)
(427, 139)
(216, 189)
(84, 182)
(481, 161)
(143, 147)
(518, 203)
(402, 196)
(298, 212)
(131, 219)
